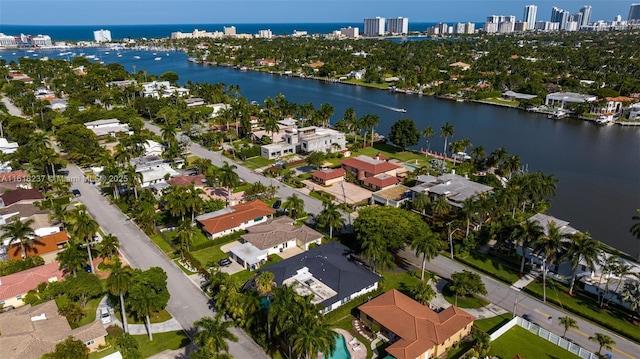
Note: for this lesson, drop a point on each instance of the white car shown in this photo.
(105, 316)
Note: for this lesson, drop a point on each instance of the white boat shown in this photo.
(137, 57)
(30, 50)
(90, 57)
(154, 53)
(158, 58)
(558, 115)
(119, 54)
(400, 110)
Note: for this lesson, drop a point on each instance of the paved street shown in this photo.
(505, 297)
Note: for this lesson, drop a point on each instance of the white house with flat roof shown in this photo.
(306, 140)
(108, 127)
(162, 89)
(7, 147)
(634, 114)
(560, 99)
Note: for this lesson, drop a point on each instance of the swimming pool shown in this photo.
(341, 351)
(414, 167)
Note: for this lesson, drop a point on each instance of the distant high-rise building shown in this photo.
(577, 18)
(505, 27)
(229, 31)
(586, 15)
(520, 26)
(102, 35)
(398, 25)
(459, 28)
(470, 28)
(490, 27)
(443, 27)
(547, 26)
(560, 16)
(374, 27)
(265, 34)
(350, 32)
(530, 12)
(634, 12)
(618, 18)
(41, 41)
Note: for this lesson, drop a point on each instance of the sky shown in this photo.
(140, 12)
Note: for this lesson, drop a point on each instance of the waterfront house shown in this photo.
(194, 102)
(413, 330)
(560, 99)
(394, 196)
(362, 167)
(634, 111)
(7, 147)
(235, 218)
(31, 332)
(305, 140)
(14, 287)
(455, 188)
(463, 66)
(162, 89)
(327, 273)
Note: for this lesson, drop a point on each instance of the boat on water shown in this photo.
(400, 110)
(137, 57)
(119, 54)
(158, 58)
(558, 115)
(603, 121)
(106, 52)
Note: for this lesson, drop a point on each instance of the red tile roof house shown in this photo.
(363, 167)
(415, 331)
(14, 287)
(327, 177)
(184, 181)
(46, 247)
(235, 218)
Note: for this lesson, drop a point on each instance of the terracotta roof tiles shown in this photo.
(20, 283)
(233, 217)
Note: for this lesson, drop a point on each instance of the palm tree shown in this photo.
(141, 302)
(440, 206)
(370, 121)
(568, 323)
(428, 246)
(427, 133)
(186, 232)
(133, 179)
(213, 334)
(330, 217)
(20, 232)
(72, 259)
(527, 232)
(631, 294)
(423, 292)
(119, 283)
(82, 226)
(228, 178)
(168, 133)
(478, 154)
(585, 249)
(109, 245)
(421, 202)
(604, 340)
(176, 202)
(265, 283)
(293, 204)
(446, 131)
(549, 245)
(312, 338)
(635, 229)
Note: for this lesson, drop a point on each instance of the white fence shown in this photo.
(545, 334)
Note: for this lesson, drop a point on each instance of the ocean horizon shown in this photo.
(119, 32)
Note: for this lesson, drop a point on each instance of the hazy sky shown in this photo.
(120, 12)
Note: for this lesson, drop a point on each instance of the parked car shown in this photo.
(105, 316)
(277, 204)
(225, 262)
(76, 192)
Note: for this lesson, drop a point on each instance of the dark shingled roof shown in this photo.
(329, 264)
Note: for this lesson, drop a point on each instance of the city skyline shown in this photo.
(143, 12)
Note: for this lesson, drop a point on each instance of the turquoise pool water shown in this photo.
(341, 351)
(410, 165)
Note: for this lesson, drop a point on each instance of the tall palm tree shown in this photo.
(213, 334)
(428, 246)
(446, 131)
(635, 229)
(20, 232)
(478, 154)
(119, 283)
(133, 179)
(82, 226)
(582, 248)
(294, 204)
(604, 340)
(330, 217)
(141, 302)
(631, 294)
(228, 178)
(176, 202)
(549, 246)
(427, 133)
(370, 121)
(109, 245)
(72, 259)
(527, 232)
(568, 323)
(186, 232)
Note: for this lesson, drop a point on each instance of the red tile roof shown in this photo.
(239, 214)
(329, 174)
(20, 194)
(369, 165)
(418, 327)
(183, 181)
(41, 245)
(13, 176)
(381, 181)
(20, 283)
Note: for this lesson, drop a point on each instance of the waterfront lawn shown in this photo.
(501, 101)
(394, 152)
(469, 301)
(383, 86)
(586, 307)
(492, 266)
(519, 341)
(489, 325)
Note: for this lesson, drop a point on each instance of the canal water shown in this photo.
(597, 167)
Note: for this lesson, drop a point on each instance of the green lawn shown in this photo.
(211, 254)
(161, 342)
(89, 310)
(198, 240)
(394, 152)
(502, 101)
(258, 162)
(586, 307)
(162, 244)
(403, 281)
(243, 276)
(243, 187)
(492, 266)
(383, 86)
(469, 301)
(489, 325)
(159, 317)
(519, 341)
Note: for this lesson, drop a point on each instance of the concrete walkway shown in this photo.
(525, 280)
(170, 325)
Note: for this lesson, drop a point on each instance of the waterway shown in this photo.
(597, 167)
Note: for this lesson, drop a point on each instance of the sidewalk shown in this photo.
(525, 280)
